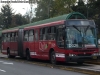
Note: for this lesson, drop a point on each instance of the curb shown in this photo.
(74, 69)
(96, 62)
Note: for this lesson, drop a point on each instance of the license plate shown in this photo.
(94, 57)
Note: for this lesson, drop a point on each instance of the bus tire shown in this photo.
(8, 53)
(28, 55)
(53, 57)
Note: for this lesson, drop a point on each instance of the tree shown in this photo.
(42, 9)
(20, 20)
(91, 9)
(50, 8)
(1, 20)
(80, 7)
(96, 7)
(7, 13)
(60, 7)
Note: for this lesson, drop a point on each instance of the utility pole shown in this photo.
(31, 5)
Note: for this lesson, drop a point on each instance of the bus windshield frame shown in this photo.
(80, 34)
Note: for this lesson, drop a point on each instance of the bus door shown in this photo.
(20, 42)
(36, 42)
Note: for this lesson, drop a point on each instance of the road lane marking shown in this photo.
(6, 62)
(2, 70)
(1, 61)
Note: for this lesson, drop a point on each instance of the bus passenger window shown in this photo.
(51, 33)
(61, 41)
(43, 35)
(51, 37)
(31, 35)
(60, 37)
(16, 36)
(5, 38)
(12, 37)
(26, 36)
(8, 37)
(36, 35)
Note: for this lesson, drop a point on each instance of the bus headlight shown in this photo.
(95, 54)
(72, 55)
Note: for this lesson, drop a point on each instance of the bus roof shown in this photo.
(73, 15)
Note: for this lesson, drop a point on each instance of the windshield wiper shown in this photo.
(76, 28)
(87, 28)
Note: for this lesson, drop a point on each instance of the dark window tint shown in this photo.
(25, 35)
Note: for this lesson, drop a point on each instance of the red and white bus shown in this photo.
(66, 38)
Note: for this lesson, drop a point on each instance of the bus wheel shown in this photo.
(28, 56)
(53, 57)
(8, 53)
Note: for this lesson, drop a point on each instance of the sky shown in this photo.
(20, 7)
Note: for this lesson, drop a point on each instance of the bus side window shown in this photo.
(8, 37)
(36, 35)
(5, 37)
(43, 34)
(25, 35)
(12, 37)
(16, 36)
(51, 33)
(60, 37)
(31, 35)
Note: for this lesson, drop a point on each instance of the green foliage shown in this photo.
(91, 10)
(42, 9)
(9, 19)
(20, 20)
(80, 7)
(51, 8)
(6, 12)
(1, 20)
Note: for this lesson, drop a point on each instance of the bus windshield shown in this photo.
(79, 37)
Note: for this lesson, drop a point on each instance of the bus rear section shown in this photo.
(9, 43)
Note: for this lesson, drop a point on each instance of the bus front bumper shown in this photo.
(80, 58)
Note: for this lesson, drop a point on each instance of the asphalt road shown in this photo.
(10, 67)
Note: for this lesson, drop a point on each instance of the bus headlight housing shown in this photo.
(95, 54)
